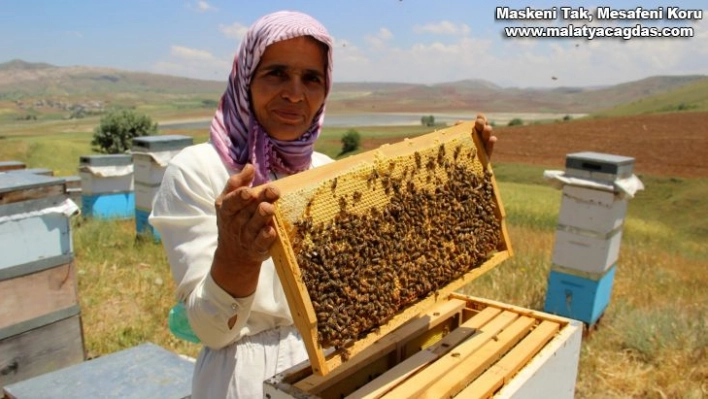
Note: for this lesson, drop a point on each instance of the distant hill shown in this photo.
(485, 96)
(689, 97)
(25, 81)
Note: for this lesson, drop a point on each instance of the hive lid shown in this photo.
(161, 143)
(106, 160)
(11, 165)
(15, 187)
(599, 162)
(368, 242)
(36, 171)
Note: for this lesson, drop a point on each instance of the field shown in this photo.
(651, 342)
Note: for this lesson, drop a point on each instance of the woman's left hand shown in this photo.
(484, 129)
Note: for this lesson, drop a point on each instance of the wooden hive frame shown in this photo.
(297, 194)
(463, 347)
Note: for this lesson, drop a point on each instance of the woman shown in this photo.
(217, 232)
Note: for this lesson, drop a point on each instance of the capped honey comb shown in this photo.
(366, 243)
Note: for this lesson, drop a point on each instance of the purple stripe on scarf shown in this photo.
(235, 133)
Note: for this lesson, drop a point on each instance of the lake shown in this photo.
(392, 119)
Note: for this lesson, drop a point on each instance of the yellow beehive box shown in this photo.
(371, 241)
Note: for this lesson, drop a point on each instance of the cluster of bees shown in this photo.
(361, 268)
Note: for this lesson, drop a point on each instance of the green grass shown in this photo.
(651, 341)
(691, 97)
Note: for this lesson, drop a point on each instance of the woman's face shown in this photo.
(288, 87)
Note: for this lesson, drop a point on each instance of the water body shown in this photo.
(392, 119)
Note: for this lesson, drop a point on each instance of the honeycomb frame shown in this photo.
(362, 185)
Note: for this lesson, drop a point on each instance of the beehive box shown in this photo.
(105, 174)
(73, 188)
(27, 232)
(579, 295)
(40, 328)
(590, 209)
(371, 241)
(463, 347)
(598, 166)
(36, 171)
(586, 251)
(151, 153)
(143, 371)
(11, 165)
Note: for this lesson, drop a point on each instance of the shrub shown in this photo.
(116, 131)
(516, 122)
(351, 140)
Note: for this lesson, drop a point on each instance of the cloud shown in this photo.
(234, 31)
(522, 62)
(193, 63)
(379, 39)
(443, 28)
(190, 53)
(202, 6)
(74, 33)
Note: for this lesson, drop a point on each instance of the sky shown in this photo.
(413, 41)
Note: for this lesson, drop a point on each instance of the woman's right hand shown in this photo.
(245, 224)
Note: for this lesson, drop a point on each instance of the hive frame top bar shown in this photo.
(308, 182)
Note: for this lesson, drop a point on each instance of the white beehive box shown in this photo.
(105, 174)
(580, 251)
(465, 347)
(151, 154)
(145, 195)
(591, 209)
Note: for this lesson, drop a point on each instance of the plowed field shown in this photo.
(674, 144)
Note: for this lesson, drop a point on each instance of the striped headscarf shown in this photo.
(235, 132)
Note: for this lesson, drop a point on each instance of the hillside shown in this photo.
(20, 79)
(690, 97)
(23, 84)
(487, 97)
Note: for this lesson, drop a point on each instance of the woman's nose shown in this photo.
(294, 90)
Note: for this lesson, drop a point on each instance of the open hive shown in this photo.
(368, 242)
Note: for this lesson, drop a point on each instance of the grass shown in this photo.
(691, 97)
(651, 342)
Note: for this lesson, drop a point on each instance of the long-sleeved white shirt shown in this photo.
(184, 215)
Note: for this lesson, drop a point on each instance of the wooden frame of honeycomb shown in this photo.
(370, 241)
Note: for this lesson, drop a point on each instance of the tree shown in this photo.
(115, 133)
(350, 141)
(516, 122)
(428, 120)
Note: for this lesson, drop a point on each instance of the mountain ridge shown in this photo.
(20, 79)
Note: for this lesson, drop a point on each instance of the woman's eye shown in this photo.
(276, 73)
(313, 78)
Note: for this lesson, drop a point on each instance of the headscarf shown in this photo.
(235, 131)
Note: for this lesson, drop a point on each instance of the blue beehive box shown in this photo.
(143, 226)
(579, 296)
(27, 232)
(107, 186)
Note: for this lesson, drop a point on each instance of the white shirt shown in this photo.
(184, 215)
